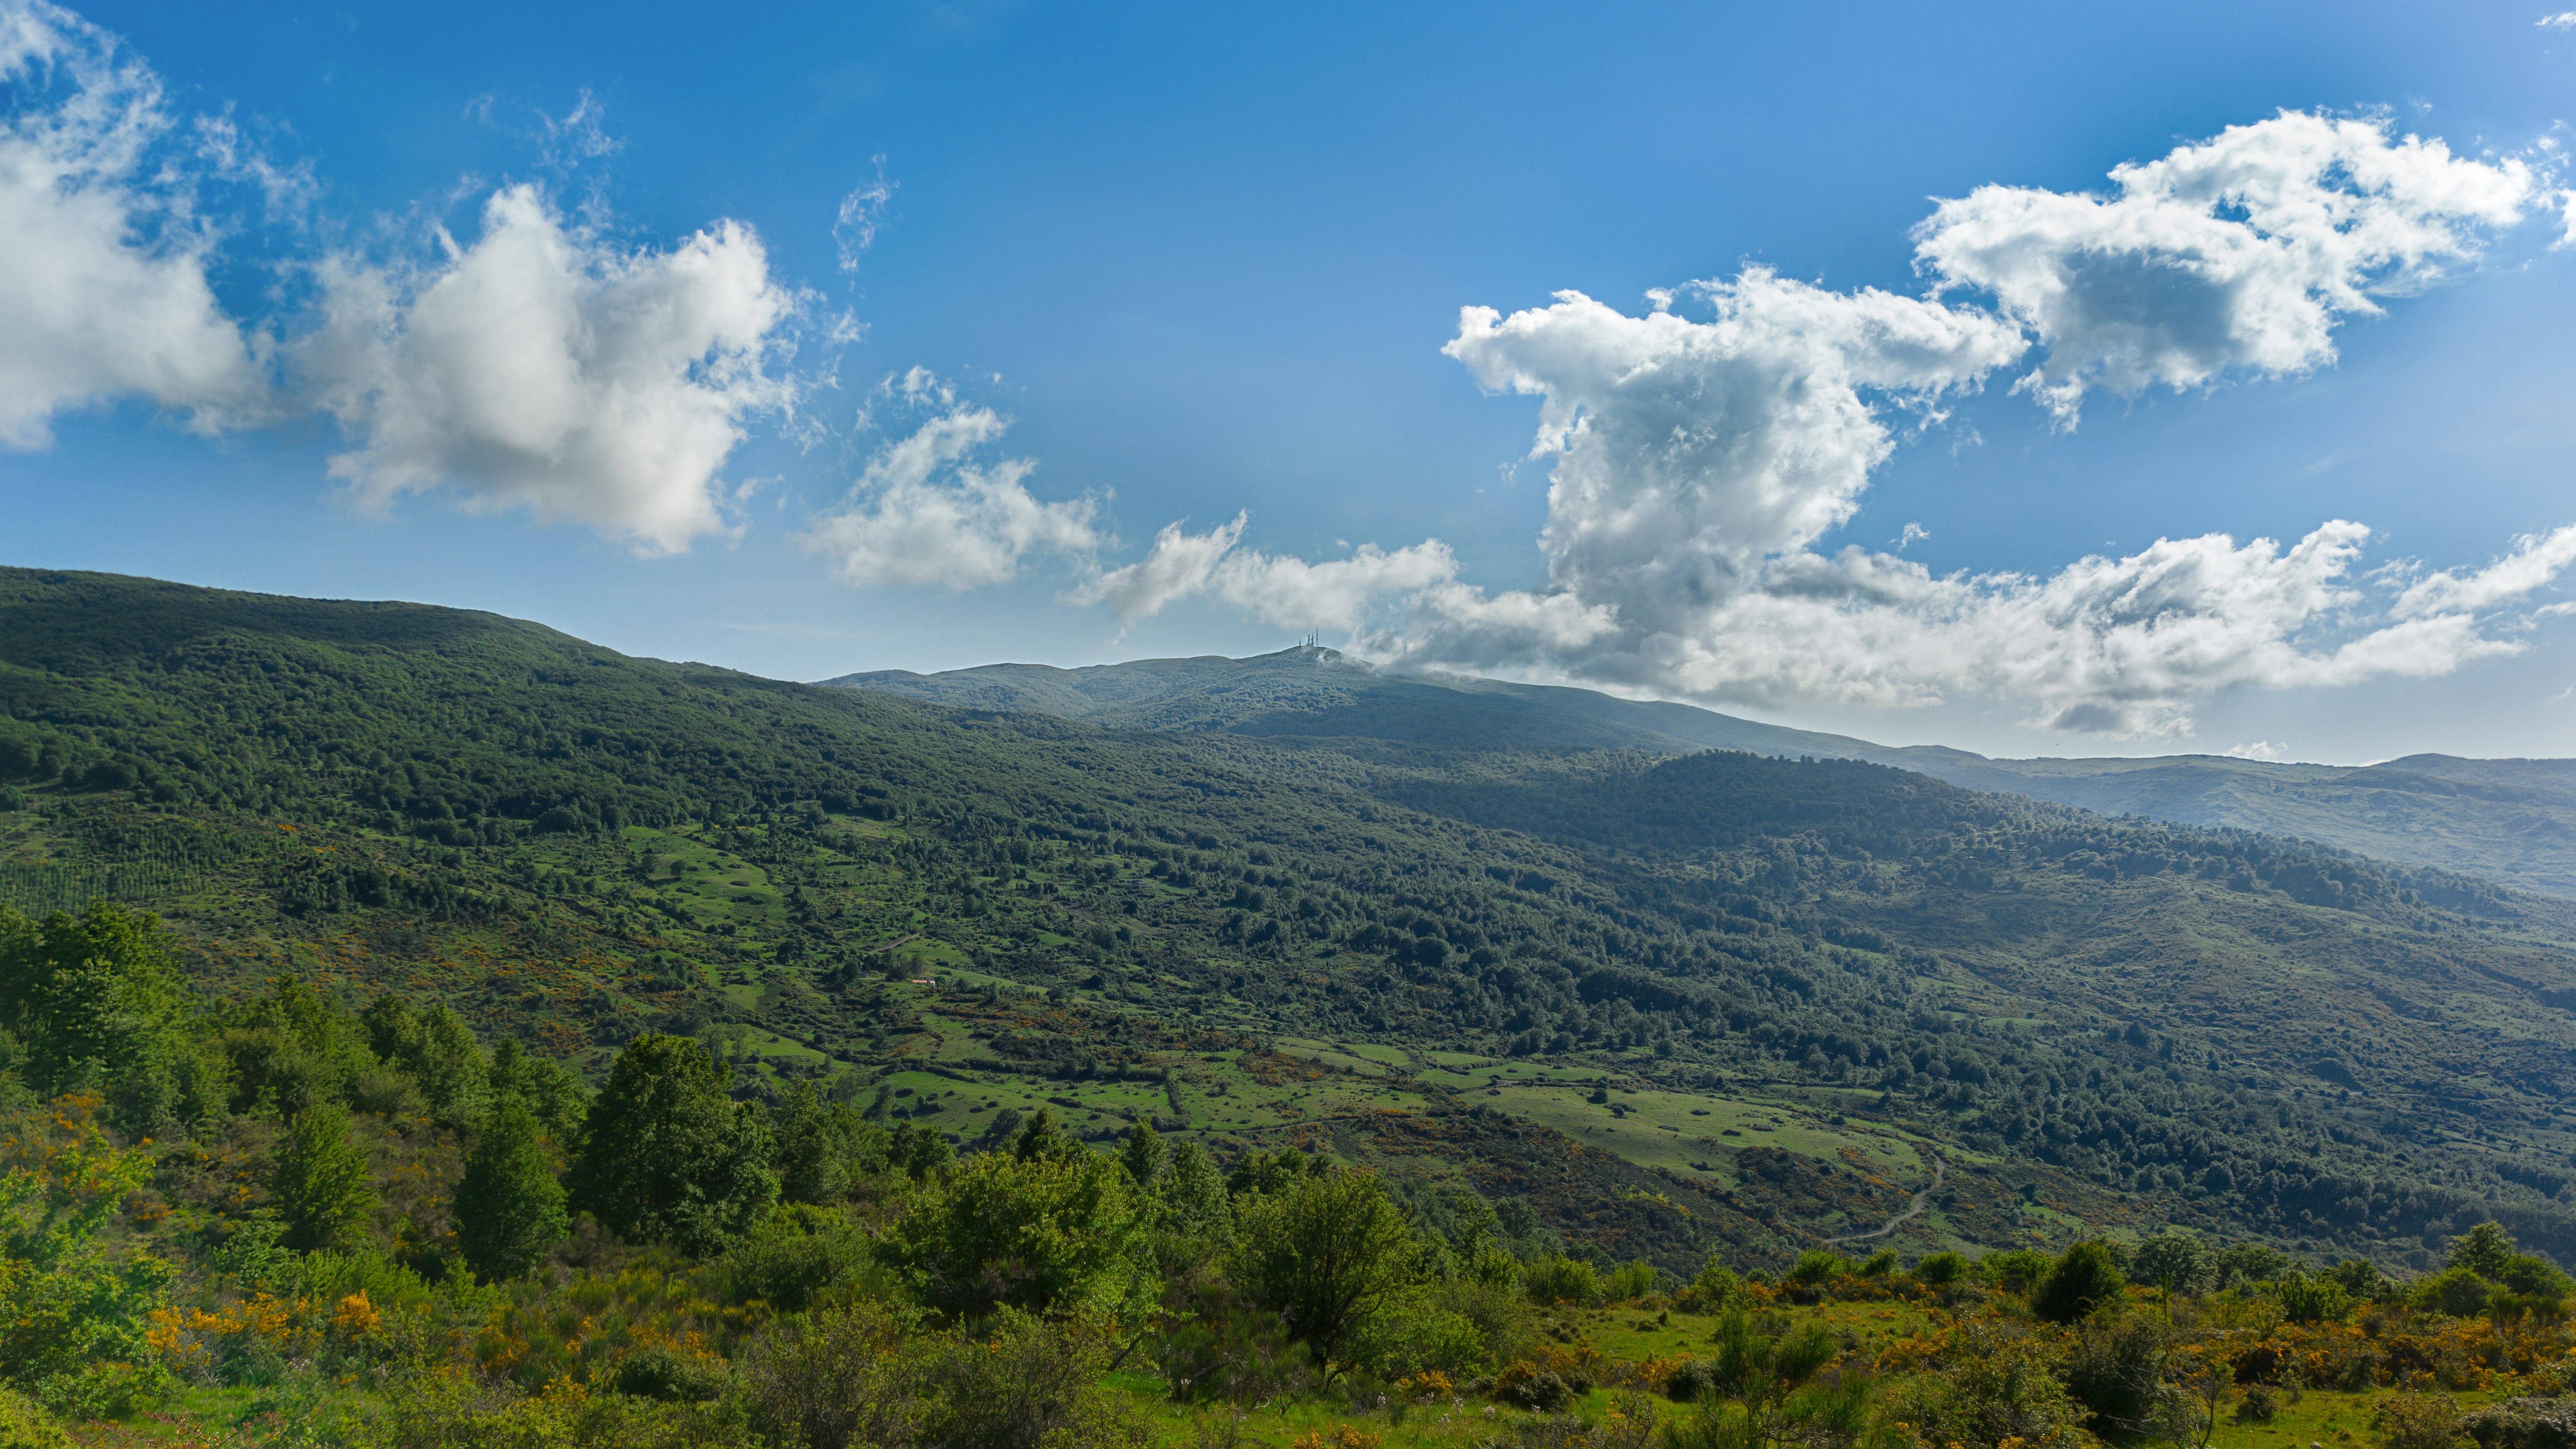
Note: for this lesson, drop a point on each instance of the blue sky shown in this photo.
(1176, 265)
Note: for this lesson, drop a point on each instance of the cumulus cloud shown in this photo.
(2242, 252)
(1700, 461)
(1687, 451)
(1289, 593)
(103, 260)
(542, 367)
(924, 512)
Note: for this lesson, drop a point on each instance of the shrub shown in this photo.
(1762, 1389)
(2360, 1278)
(2002, 1386)
(2258, 1406)
(75, 1319)
(2310, 1300)
(1412, 1333)
(2457, 1292)
(2249, 1262)
(1817, 1267)
(2117, 1370)
(1327, 1253)
(1046, 1233)
(823, 1147)
(1629, 1282)
(452, 1411)
(1714, 1288)
(23, 1425)
(2533, 1277)
(434, 1048)
(2524, 1424)
(796, 1256)
(2085, 1278)
(1939, 1269)
(870, 1374)
(1498, 1311)
(1690, 1380)
(2484, 1249)
(1224, 1348)
(2410, 1420)
(1532, 1387)
(658, 1372)
(1562, 1280)
(2018, 1271)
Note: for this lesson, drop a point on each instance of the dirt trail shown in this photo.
(1940, 1170)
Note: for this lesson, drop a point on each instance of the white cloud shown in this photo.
(925, 513)
(1336, 594)
(543, 368)
(2263, 750)
(2563, 20)
(854, 227)
(2244, 251)
(1177, 567)
(1699, 463)
(2534, 562)
(103, 262)
(1687, 452)
(1289, 593)
(2119, 646)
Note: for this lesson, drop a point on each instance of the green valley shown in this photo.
(1594, 1005)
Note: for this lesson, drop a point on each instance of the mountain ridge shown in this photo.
(2511, 821)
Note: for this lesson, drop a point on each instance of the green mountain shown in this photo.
(1323, 693)
(1668, 999)
(2512, 821)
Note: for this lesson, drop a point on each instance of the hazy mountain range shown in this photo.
(2512, 821)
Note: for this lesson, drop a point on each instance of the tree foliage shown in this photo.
(509, 1205)
(1050, 1233)
(1325, 1252)
(667, 1155)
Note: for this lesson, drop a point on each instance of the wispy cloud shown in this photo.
(1288, 593)
(854, 228)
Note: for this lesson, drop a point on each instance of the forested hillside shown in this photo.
(2509, 821)
(573, 847)
(1557, 1013)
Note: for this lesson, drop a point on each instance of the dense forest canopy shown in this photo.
(1596, 1007)
(2274, 1034)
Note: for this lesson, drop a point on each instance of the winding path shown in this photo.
(1940, 1170)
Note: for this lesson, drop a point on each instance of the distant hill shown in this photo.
(1323, 693)
(1673, 1004)
(2511, 821)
